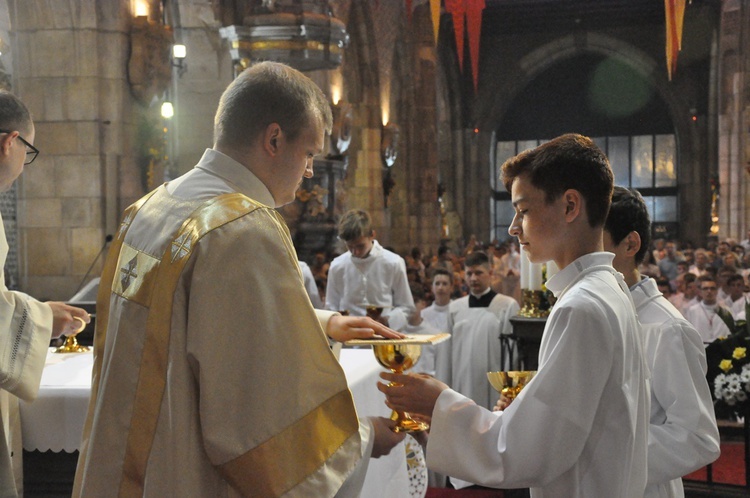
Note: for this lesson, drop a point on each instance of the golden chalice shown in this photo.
(510, 384)
(71, 344)
(398, 358)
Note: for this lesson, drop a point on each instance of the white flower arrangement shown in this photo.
(733, 388)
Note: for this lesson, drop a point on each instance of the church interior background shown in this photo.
(429, 98)
(420, 132)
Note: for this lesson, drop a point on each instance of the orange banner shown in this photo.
(435, 11)
(675, 14)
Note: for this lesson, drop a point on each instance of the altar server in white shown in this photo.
(683, 435)
(709, 317)
(479, 324)
(580, 427)
(368, 274)
(436, 314)
(212, 371)
(26, 325)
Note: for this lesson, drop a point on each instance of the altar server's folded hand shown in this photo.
(344, 328)
(385, 438)
(413, 393)
(66, 319)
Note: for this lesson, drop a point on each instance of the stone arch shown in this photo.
(693, 191)
(537, 61)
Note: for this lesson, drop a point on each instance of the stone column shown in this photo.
(70, 60)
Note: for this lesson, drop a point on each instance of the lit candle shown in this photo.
(535, 276)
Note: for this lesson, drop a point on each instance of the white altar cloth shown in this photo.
(54, 421)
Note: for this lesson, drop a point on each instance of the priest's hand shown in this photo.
(412, 393)
(501, 404)
(385, 438)
(66, 319)
(344, 328)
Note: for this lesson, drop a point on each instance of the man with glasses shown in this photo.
(709, 317)
(26, 325)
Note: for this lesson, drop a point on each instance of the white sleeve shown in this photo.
(25, 330)
(353, 484)
(684, 436)
(543, 432)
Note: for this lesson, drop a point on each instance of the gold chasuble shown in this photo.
(212, 375)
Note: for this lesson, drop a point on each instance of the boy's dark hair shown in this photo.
(476, 258)
(629, 213)
(442, 271)
(705, 278)
(661, 282)
(735, 278)
(570, 161)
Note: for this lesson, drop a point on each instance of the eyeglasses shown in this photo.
(31, 151)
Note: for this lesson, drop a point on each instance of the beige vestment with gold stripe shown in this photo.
(212, 373)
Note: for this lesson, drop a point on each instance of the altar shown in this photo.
(52, 425)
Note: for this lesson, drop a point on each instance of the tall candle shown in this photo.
(524, 271)
(535, 276)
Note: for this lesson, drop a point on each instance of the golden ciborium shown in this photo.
(510, 384)
(71, 344)
(398, 358)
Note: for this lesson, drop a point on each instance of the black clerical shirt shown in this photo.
(482, 301)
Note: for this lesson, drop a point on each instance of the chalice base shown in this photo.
(408, 424)
(71, 346)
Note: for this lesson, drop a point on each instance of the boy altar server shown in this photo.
(683, 435)
(580, 427)
(368, 274)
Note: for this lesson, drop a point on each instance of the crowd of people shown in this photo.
(682, 271)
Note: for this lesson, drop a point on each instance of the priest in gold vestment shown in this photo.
(212, 374)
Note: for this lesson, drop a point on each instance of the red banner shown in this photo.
(474, 26)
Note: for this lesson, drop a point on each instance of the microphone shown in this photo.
(107, 240)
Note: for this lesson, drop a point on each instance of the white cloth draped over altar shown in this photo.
(54, 421)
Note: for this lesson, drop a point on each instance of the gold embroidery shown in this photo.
(270, 469)
(181, 246)
(137, 271)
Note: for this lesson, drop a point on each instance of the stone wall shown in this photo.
(69, 60)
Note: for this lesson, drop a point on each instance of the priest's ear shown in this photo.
(272, 137)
